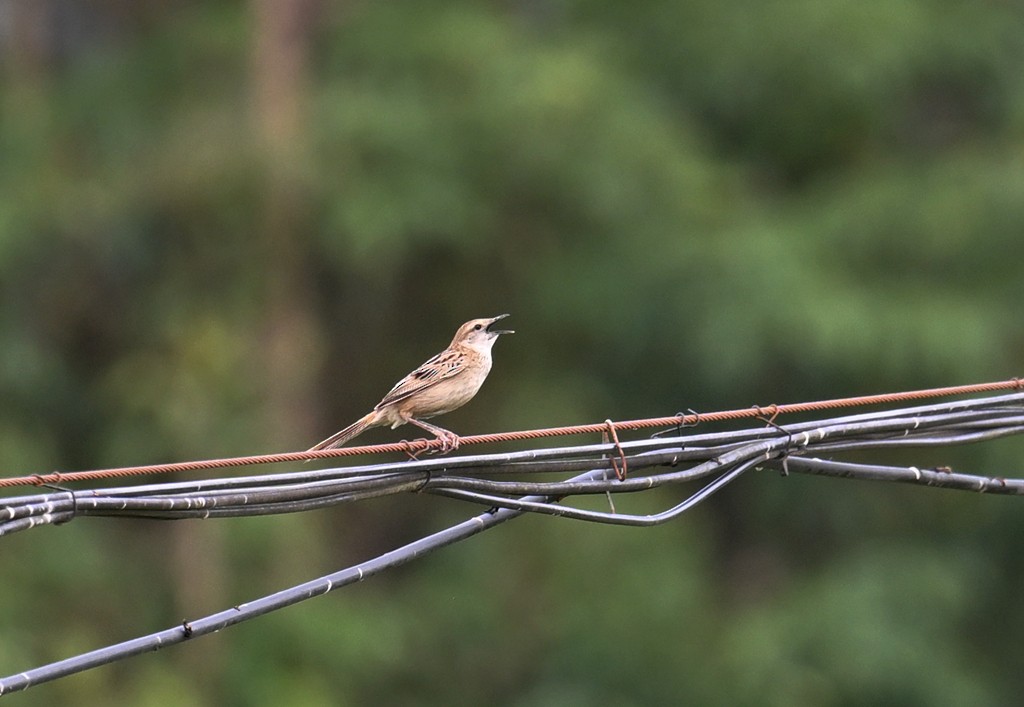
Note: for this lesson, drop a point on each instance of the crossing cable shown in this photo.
(716, 458)
(482, 478)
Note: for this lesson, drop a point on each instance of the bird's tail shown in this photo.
(339, 438)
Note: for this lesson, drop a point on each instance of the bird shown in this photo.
(441, 384)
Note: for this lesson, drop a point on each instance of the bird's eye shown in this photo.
(478, 327)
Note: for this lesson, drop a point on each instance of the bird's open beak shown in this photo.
(494, 331)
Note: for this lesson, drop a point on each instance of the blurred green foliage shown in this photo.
(212, 244)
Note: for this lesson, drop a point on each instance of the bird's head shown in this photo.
(480, 334)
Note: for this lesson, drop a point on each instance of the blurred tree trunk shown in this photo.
(198, 562)
(292, 347)
(29, 48)
(289, 355)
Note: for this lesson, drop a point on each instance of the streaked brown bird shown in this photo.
(447, 381)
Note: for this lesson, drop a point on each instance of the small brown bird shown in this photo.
(447, 381)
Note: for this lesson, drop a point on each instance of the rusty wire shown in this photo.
(495, 481)
(421, 445)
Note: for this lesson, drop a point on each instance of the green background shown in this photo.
(228, 227)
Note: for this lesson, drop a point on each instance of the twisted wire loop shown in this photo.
(711, 460)
(690, 418)
(620, 466)
(768, 414)
(769, 420)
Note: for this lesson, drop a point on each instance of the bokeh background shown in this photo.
(228, 227)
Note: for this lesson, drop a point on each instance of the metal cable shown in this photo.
(495, 480)
(419, 446)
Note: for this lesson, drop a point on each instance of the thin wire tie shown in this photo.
(604, 473)
(681, 423)
(767, 417)
(50, 482)
(620, 472)
(426, 481)
(770, 421)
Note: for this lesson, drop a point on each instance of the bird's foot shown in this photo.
(449, 442)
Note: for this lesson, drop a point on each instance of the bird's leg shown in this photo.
(449, 440)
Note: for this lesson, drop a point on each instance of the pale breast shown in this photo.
(448, 394)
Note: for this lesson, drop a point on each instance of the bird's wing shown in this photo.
(444, 365)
